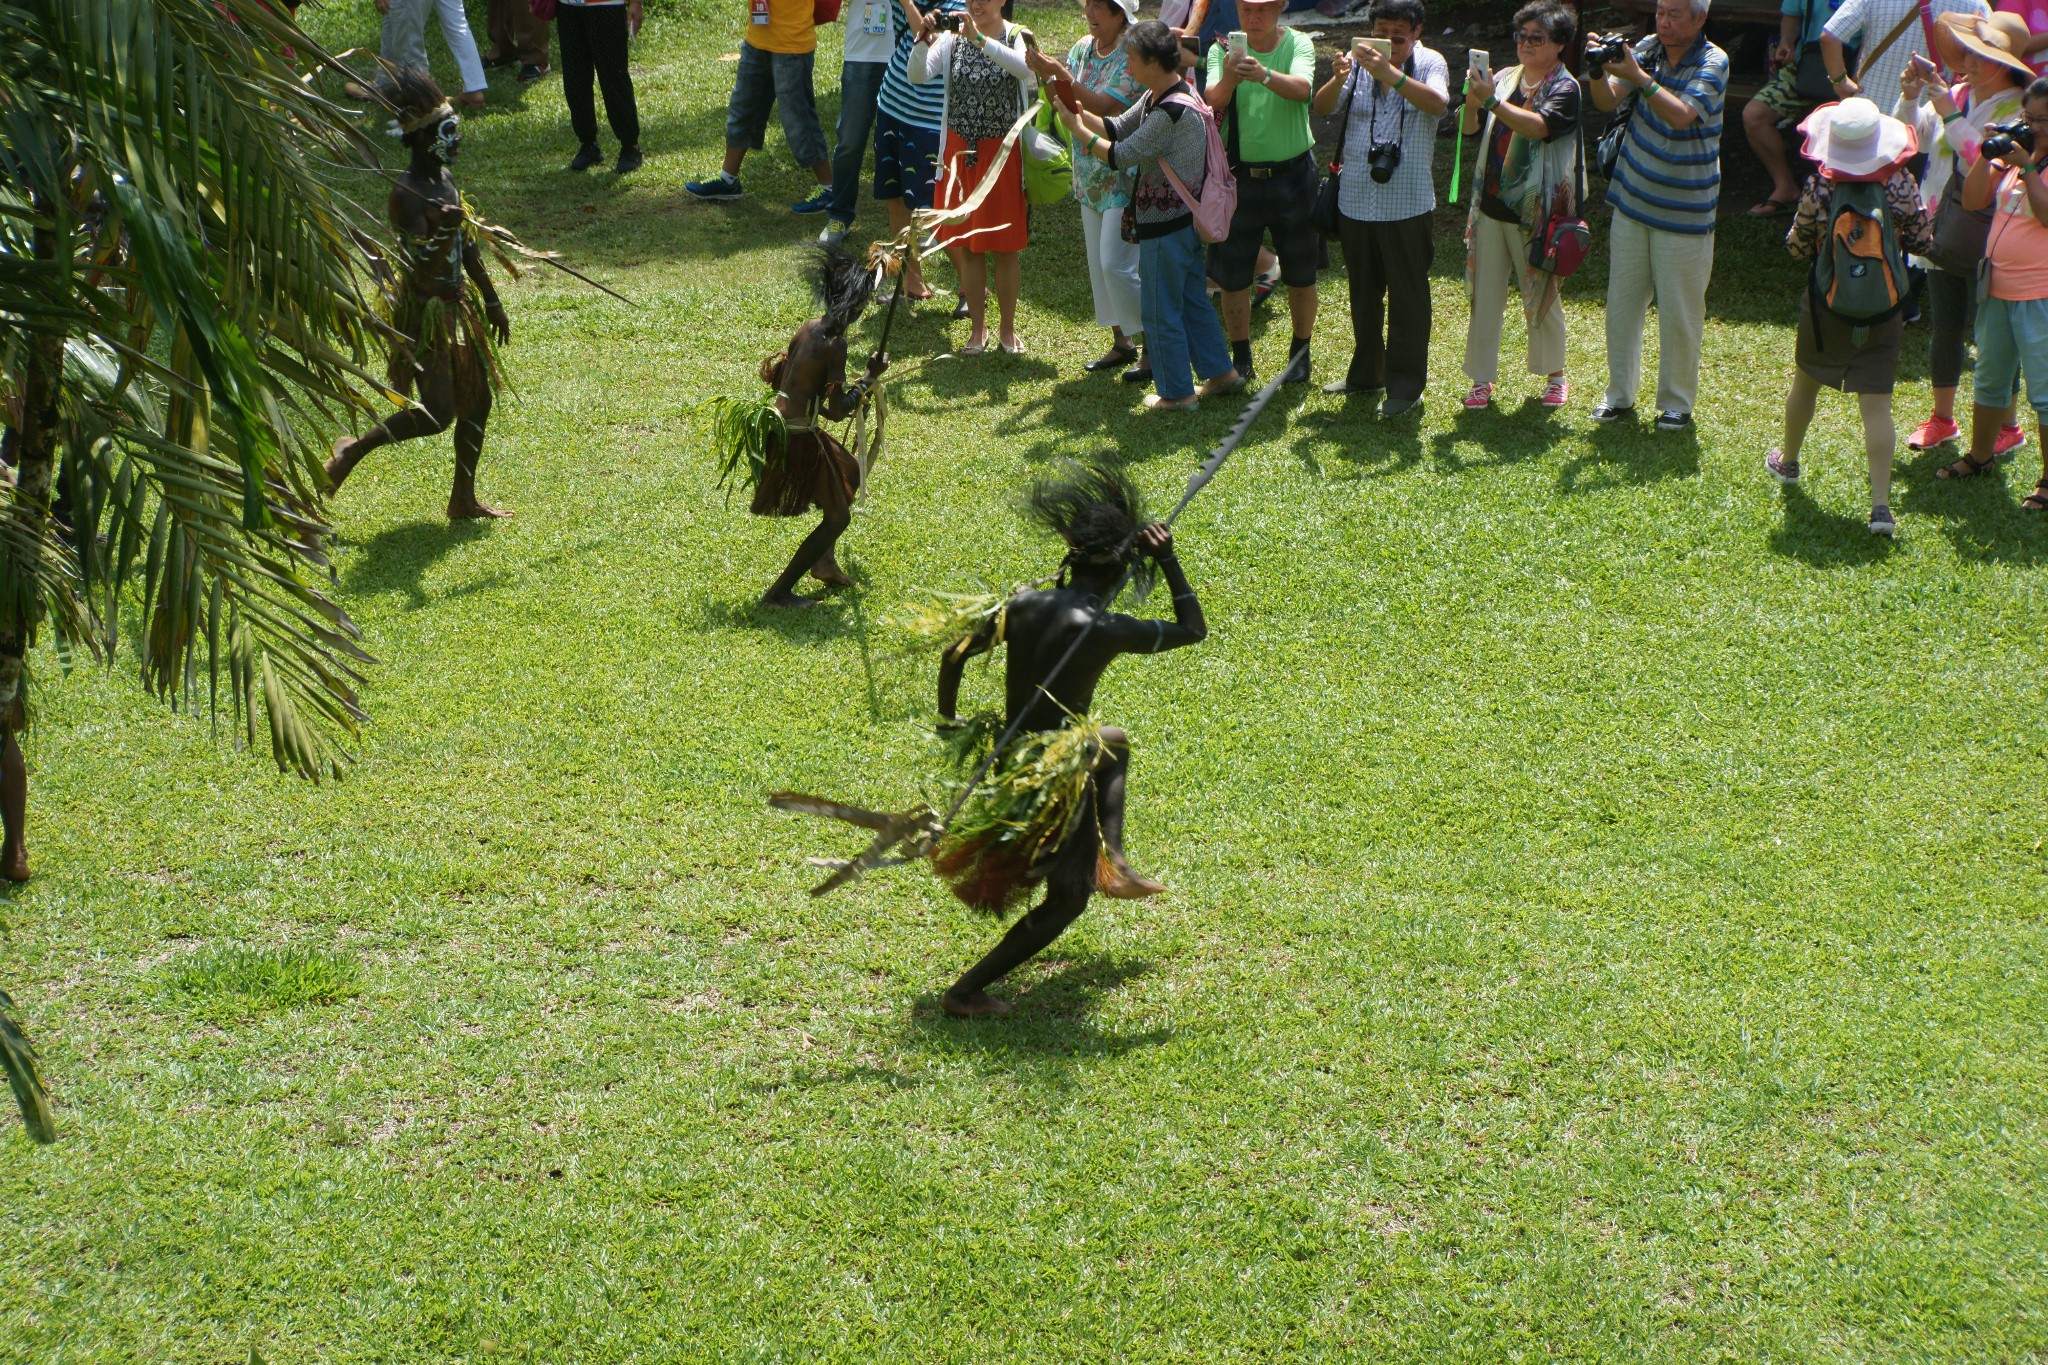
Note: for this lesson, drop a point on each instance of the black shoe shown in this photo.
(500, 63)
(1297, 371)
(1138, 374)
(1674, 421)
(531, 72)
(586, 156)
(1120, 357)
(1394, 407)
(960, 313)
(1604, 414)
(629, 160)
(1249, 375)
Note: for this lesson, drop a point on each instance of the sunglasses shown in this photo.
(1531, 39)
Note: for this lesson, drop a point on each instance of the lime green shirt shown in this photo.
(1268, 127)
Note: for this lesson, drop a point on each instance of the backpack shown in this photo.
(1860, 273)
(1217, 204)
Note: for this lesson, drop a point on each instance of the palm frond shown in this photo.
(18, 1060)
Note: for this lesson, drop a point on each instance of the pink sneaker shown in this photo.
(1480, 397)
(2009, 439)
(1935, 431)
(1557, 393)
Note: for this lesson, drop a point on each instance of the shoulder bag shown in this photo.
(1810, 75)
(1959, 234)
(1326, 211)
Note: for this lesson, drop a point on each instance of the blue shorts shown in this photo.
(906, 157)
(779, 80)
(2012, 335)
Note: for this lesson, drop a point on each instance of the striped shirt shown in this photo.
(1670, 178)
(920, 106)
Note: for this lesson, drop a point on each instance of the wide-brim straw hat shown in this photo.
(1856, 139)
(2000, 38)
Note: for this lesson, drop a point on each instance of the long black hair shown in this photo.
(841, 283)
(1097, 511)
(412, 93)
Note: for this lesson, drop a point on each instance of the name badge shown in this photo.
(759, 13)
(874, 18)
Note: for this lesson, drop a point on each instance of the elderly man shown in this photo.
(1261, 99)
(1665, 190)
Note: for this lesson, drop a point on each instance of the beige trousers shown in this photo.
(1500, 264)
(1672, 267)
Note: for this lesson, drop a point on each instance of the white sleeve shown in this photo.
(1010, 59)
(928, 60)
(1847, 22)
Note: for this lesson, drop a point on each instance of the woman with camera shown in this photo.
(988, 86)
(1532, 172)
(2012, 323)
(1950, 124)
(1392, 92)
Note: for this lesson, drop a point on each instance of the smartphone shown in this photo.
(1385, 45)
(1063, 91)
(1478, 60)
(1237, 45)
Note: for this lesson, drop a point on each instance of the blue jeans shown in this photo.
(1180, 322)
(860, 84)
(781, 79)
(2012, 336)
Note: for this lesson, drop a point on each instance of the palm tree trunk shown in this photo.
(31, 447)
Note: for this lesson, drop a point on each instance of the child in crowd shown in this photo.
(1854, 145)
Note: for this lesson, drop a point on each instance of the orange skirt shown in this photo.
(1001, 223)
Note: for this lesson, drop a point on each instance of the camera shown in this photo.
(1602, 48)
(2001, 138)
(945, 23)
(1382, 160)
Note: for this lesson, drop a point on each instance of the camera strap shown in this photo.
(1401, 124)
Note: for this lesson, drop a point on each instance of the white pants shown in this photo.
(404, 38)
(1672, 267)
(1500, 271)
(1112, 271)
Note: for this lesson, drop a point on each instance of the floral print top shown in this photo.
(1099, 186)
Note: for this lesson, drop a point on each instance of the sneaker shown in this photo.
(532, 72)
(1264, 285)
(834, 230)
(1881, 523)
(820, 200)
(719, 188)
(1607, 412)
(2009, 439)
(1782, 469)
(1556, 393)
(630, 159)
(1935, 431)
(1674, 421)
(586, 156)
(1480, 397)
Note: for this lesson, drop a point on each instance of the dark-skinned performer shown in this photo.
(809, 468)
(446, 306)
(1097, 513)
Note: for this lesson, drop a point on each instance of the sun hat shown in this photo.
(1853, 140)
(1999, 38)
(1130, 9)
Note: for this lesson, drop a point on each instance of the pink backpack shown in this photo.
(1218, 202)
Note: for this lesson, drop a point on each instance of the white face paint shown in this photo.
(447, 138)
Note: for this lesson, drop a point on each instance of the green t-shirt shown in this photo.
(1268, 127)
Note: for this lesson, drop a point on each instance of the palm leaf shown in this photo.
(18, 1060)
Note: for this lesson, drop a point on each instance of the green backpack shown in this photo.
(1860, 273)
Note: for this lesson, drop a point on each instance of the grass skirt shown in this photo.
(1023, 816)
(806, 469)
(449, 332)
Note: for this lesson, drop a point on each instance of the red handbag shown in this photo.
(1561, 247)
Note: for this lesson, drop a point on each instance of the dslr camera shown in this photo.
(945, 23)
(1382, 161)
(1602, 48)
(2001, 138)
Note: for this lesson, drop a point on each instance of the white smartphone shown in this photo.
(1478, 60)
(1385, 45)
(1237, 45)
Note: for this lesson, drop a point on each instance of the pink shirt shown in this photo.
(2017, 246)
(2035, 13)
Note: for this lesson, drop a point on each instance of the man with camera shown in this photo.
(1664, 181)
(1260, 80)
(1392, 92)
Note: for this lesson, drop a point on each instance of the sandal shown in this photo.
(1966, 468)
(2036, 501)
(1773, 208)
(1119, 357)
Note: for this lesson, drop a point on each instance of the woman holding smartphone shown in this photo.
(988, 87)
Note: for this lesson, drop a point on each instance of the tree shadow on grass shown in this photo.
(1631, 457)
(397, 560)
(1050, 1023)
(1817, 537)
(1980, 515)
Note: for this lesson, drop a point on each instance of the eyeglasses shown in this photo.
(1531, 39)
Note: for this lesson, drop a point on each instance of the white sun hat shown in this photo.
(1856, 140)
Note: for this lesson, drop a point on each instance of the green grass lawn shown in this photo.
(1607, 913)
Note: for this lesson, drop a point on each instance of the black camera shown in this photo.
(2001, 138)
(1602, 48)
(1383, 160)
(945, 23)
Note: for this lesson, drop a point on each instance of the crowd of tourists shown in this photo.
(1915, 117)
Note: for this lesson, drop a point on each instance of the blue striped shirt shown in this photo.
(920, 106)
(1670, 178)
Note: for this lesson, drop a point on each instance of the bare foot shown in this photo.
(828, 572)
(472, 510)
(980, 1005)
(787, 599)
(14, 863)
(1116, 879)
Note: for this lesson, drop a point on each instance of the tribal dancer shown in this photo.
(794, 464)
(448, 325)
(1072, 840)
